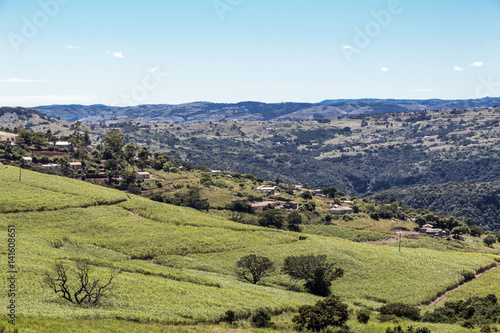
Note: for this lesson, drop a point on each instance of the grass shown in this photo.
(38, 191)
(195, 253)
(345, 233)
(489, 283)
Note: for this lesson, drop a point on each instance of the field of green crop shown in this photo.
(188, 276)
(345, 233)
(37, 192)
(486, 284)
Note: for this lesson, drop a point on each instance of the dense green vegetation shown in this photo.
(371, 153)
(178, 263)
(477, 201)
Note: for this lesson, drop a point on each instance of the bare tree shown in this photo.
(86, 290)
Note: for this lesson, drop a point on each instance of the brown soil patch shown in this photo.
(49, 153)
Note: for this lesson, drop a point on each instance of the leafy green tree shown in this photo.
(476, 231)
(490, 240)
(143, 156)
(129, 153)
(328, 312)
(309, 206)
(293, 221)
(272, 218)
(306, 195)
(113, 143)
(252, 268)
(460, 230)
(317, 272)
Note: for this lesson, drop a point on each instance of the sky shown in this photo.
(132, 52)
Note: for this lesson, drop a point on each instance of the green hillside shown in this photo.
(177, 263)
(479, 201)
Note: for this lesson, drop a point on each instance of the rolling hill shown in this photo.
(177, 263)
(479, 201)
(254, 111)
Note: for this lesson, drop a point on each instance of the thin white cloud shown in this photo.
(421, 90)
(154, 70)
(71, 47)
(384, 69)
(477, 64)
(457, 69)
(17, 80)
(36, 100)
(347, 47)
(116, 54)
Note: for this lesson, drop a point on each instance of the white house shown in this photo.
(143, 175)
(51, 166)
(75, 165)
(27, 160)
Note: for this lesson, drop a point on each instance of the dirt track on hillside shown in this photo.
(441, 298)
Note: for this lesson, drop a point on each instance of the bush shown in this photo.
(134, 189)
(363, 317)
(401, 310)
(327, 312)
(230, 316)
(490, 240)
(261, 318)
(315, 270)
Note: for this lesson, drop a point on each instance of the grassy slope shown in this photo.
(198, 251)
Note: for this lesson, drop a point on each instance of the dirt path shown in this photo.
(443, 296)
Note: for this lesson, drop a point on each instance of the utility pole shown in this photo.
(399, 242)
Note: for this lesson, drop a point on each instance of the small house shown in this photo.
(63, 145)
(143, 175)
(27, 160)
(183, 168)
(216, 173)
(75, 165)
(423, 229)
(339, 210)
(8, 137)
(51, 166)
(267, 188)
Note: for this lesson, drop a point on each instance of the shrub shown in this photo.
(401, 310)
(363, 317)
(261, 318)
(134, 189)
(327, 312)
(230, 316)
(490, 240)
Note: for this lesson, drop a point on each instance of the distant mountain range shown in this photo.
(206, 111)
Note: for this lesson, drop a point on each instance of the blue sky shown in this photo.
(124, 52)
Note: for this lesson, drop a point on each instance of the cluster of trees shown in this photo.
(315, 270)
(191, 198)
(475, 311)
(466, 200)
